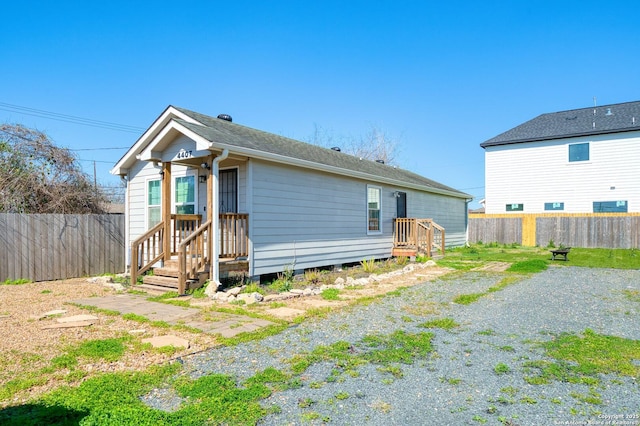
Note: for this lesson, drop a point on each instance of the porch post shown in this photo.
(210, 194)
(166, 209)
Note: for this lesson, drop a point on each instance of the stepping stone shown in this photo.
(168, 340)
(50, 314)
(68, 325)
(78, 318)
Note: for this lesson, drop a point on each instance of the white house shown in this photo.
(278, 203)
(578, 161)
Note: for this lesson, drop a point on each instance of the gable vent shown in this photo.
(225, 117)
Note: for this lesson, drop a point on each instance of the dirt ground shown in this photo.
(28, 345)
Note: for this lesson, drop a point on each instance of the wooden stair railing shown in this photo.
(418, 236)
(194, 255)
(146, 251)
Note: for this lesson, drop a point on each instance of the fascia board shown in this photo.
(129, 158)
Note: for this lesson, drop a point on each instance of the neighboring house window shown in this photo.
(153, 203)
(515, 207)
(373, 209)
(610, 206)
(554, 206)
(185, 194)
(579, 152)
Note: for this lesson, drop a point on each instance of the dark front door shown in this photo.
(228, 190)
(401, 204)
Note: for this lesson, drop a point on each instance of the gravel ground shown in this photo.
(456, 384)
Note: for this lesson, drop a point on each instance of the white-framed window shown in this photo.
(154, 200)
(184, 194)
(374, 209)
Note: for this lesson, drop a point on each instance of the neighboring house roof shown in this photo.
(259, 144)
(614, 118)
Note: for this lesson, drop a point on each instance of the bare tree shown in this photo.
(376, 144)
(38, 177)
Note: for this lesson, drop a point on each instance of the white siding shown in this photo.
(540, 172)
(311, 219)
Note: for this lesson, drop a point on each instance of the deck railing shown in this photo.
(187, 230)
(194, 255)
(418, 235)
(234, 235)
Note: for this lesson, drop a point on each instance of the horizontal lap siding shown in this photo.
(312, 219)
(42, 247)
(536, 173)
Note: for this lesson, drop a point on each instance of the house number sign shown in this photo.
(183, 153)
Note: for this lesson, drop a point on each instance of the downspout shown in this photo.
(215, 215)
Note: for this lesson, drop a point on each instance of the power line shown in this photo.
(69, 118)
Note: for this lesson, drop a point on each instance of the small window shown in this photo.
(515, 207)
(373, 209)
(610, 206)
(579, 152)
(153, 203)
(554, 206)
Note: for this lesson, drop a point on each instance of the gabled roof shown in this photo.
(238, 139)
(614, 118)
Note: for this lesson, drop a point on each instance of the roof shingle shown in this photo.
(614, 118)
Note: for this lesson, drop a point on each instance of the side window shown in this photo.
(373, 209)
(515, 207)
(579, 152)
(185, 194)
(554, 206)
(610, 206)
(153, 202)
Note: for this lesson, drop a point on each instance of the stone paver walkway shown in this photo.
(225, 324)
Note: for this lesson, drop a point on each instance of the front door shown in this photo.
(401, 204)
(228, 190)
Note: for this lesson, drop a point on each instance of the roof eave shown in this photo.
(551, 138)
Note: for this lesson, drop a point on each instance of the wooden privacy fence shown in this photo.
(605, 230)
(42, 247)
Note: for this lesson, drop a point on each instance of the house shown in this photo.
(278, 203)
(578, 161)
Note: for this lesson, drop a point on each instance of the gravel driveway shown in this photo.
(457, 383)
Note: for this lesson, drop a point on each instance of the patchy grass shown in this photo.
(580, 358)
(443, 323)
(330, 294)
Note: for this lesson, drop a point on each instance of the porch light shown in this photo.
(202, 178)
(205, 166)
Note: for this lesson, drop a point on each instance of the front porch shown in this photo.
(180, 251)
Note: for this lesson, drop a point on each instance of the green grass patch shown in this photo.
(19, 281)
(443, 323)
(528, 266)
(467, 299)
(580, 358)
(465, 258)
(330, 294)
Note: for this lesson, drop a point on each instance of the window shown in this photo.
(579, 152)
(153, 203)
(610, 206)
(554, 206)
(185, 194)
(515, 207)
(373, 209)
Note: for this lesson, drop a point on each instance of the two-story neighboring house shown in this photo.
(578, 161)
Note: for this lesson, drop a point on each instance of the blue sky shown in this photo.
(440, 77)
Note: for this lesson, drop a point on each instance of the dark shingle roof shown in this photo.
(613, 118)
(230, 134)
